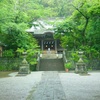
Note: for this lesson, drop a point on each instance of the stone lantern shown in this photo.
(81, 65)
(24, 66)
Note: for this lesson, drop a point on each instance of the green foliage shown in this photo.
(20, 50)
(32, 51)
(91, 52)
(2, 68)
(75, 56)
(81, 29)
(57, 36)
(33, 67)
(31, 54)
(15, 36)
(8, 53)
(15, 17)
(68, 65)
(14, 22)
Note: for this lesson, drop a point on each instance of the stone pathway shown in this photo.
(50, 88)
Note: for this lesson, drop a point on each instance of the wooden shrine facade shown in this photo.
(47, 42)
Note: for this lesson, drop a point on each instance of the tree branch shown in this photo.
(79, 11)
(86, 23)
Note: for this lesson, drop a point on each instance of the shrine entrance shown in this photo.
(49, 44)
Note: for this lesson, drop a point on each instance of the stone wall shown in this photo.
(94, 64)
(7, 64)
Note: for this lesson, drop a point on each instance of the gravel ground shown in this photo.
(18, 88)
(78, 87)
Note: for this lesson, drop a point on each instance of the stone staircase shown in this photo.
(51, 56)
(51, 52)
(51, 62)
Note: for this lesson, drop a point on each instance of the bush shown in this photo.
(33, 67)
(74, 56)
(68, 65)
(8, 53)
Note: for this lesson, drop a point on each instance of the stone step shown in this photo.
(51, 65)
(51, 52)
(51, 56)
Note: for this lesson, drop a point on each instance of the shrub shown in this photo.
(68, 65)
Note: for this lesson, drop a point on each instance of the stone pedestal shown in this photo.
(24, 67)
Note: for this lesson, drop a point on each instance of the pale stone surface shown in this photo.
(18, 88)
(78, 87)
(53, 86)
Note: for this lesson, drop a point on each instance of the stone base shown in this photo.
(81, 68)
(84, 74)
(24, 69)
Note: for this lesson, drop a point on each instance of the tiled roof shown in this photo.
(40, 27)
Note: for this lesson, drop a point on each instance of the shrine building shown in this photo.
(44, 33)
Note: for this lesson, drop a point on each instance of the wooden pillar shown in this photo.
(55, 45)
(0, 51)
(42, 45)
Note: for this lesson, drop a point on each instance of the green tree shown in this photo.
(81, 29)
(14, 20)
